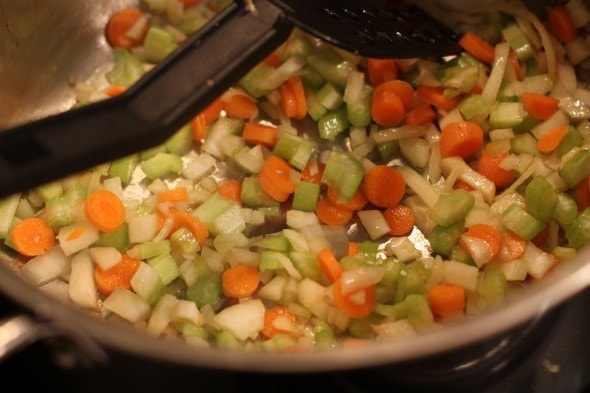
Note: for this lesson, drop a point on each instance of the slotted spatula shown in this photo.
(206, 65)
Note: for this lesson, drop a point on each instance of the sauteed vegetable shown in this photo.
(326, 199)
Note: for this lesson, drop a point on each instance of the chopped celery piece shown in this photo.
(8, 206)
(330, 96)
(333, 124)
(343, 172)
(541, 199)
(306, 196)
(294, 149)
(151, 152)
(63, 210)
(271, 260)
(525, 126)
(518, 42)
(576, 168)
(152, 249)
(570, 140)
(158, 44)
(275, 242)
(127, 68)
(443, 239)
(49, 190)
(181, 141)
(524, 144)
(452, 208)
(212, 208)
(579, 232)
(359, 113)
(314, 109)
(162, 165)
(331, 66)
(492, 287)
(387, 150)
(414, 308)
(252, 194)
(459, 79)
(351, 262)
(307, 265)
(251, 82)
(166, 267)
(184, 241)
(507, 115)
(521, 222)
(123, 168)
(230, 221)
(459, 254)
(206, 290)
(118, 239)
(566, 210)
(473, 106)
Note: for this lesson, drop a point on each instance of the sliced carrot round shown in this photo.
(32, 236)
(461, 138)
(240, 281)
(104, 210)
(384, 186)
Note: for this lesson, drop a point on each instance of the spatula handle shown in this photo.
(164, 100)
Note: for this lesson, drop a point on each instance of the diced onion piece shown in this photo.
(76, 237)
(419, 185)
(161, 314)
(478, 249)
(458, 273)
(469, 176)
(515, 269)
(146, 281)
(374, 223)
(356, 279)
(538, 262)
(243, 320)
(310, 292)
(395, 330)
(282, 73)
(46, 267)
(186, 311)
(82, 288)
(273, 290)
(127, 305)
(354, 87)
(492, 86)
(143, 228)
(397, 133)
(105, 257)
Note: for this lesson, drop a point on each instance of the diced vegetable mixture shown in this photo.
(327, 197)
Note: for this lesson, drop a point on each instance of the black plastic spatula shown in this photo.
(206, 65)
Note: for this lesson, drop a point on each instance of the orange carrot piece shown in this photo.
(488, 234)
(539, 105)
(260, 134)
(313, 172)
(561, 24)
(513, 58)
(177, 194)
(402, 89)
(299, 94)
(358, 304)
(400, 219)
(277, 178)
(387, 108)
(188, 3)
(274, 314)
(436, 96)
(240, 281)
(381, 70)
(461, 138)
(384, 186)
(199, 127)
(550, 140)
(513, 245)
(213, 110)
(115, 90)
(231, 189)
(118, 276)
(191, 222)
(420, 115)
(32, 236)
(357, 202)
(241, 106)
(104, 210)
(273, 59)
(331, 214)
(118, 26)
(76, 233)
(477, 47)
(489, 166)
(446, 299)
(352, 249)
(329, 264)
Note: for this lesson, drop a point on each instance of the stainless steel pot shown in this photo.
(46, 45)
